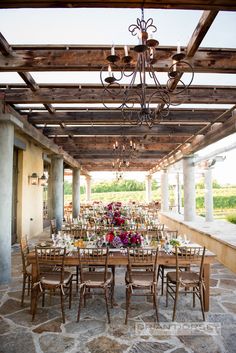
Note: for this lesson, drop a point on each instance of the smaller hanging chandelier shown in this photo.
(123, 152)
(144, 100)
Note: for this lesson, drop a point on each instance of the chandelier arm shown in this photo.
(177, 73)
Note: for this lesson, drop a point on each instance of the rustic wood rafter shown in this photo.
(85, 136)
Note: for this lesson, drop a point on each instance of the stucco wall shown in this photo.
(30, 197)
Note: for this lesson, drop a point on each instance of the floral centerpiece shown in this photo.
(123, 239)
(113, 214)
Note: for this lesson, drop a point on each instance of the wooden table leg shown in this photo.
(206, 275)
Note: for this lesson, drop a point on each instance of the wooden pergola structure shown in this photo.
(85, 135)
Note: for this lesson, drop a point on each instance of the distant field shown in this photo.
(139, 196)
(123, 196)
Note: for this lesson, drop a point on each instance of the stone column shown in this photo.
(148, 188)
(6, 175)
(57, 178)
(76, 192)
(189, 189)
(178, 194)
(208, 195)
(50, 213)
(88, 188)
(164, 191)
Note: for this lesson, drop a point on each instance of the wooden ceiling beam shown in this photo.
(5, 47)
(194, 94)
(6, 50)
(146, 139)
(26, 76)
(211, 60)
(91, 154)
(105, 117)
(217, 132)
(198, 35)
(117, 130)
(226, 5)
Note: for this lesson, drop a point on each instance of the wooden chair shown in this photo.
(94, 277)
(190, 281)
(56, 278)
(141, 276)
(159, 231)
(26, 268)
(53, 226)
(168, 234)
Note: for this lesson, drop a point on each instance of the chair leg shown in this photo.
(175, 302)
(62, 307)
(29, 284)
(167, 293)
(80, 302)
(111, 292)
(43, 298)
(162, 279)
(70, 294)
(155, 302)
(113, 284)
(34, 308)
(77, 279)
(201, 300)
(107, 307)
(158, 272)
(23, 290)
(128, 297)
(194, 301)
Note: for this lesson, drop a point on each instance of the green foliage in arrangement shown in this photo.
(231, 218)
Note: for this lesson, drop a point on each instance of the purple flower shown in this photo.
(116, 242)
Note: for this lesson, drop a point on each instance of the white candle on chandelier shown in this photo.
(178, 47)
(126, 50)
(134, 146)
(113, 50)
(131, 143)
(140, 37)
(116, 144)
(109, 70)
(174, 65)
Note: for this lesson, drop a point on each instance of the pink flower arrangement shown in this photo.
(114, 214)
(124, 239)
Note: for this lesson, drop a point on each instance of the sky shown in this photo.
(110, 27)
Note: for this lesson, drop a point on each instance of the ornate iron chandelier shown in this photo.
(123, 152)
(144, 101)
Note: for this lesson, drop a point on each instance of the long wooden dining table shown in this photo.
(120, 258)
